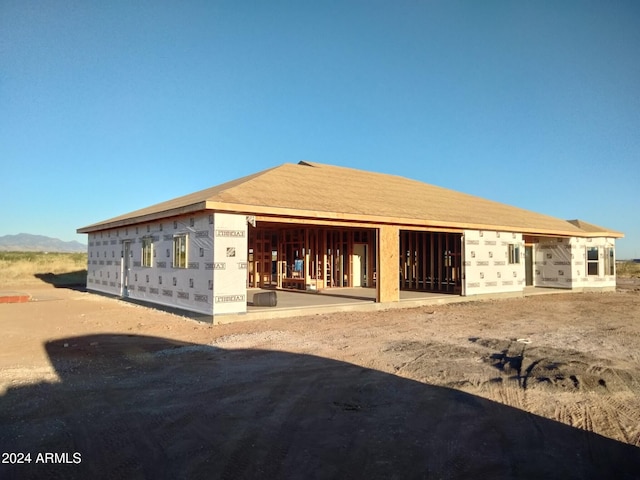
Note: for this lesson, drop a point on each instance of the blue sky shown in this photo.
(106, 107)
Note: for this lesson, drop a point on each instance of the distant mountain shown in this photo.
(25, 242)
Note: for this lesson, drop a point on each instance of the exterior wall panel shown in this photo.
(562, 263)
(581, 278)
(189, 288)
(230, 263)
(103, 262)
(487, 264)
(553, 263)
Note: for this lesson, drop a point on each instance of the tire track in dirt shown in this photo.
(410, 363)
(525, 370)
(599, 415)
(520, 369)
(512, 394)
(611, 419)
(622, 417)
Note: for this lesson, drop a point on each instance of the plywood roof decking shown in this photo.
(312, 190)
(588, 227)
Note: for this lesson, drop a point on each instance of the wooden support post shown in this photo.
(281, 256)
(388, 261)
(439, 261)
(423, 260)
(373, 255)
(402, 261)
(411, 262)
(307, 259)
(350, 259)
(323, 256)
(432, 272)
(447, 257)
(329, 259)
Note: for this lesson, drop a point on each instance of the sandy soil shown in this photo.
(541, 387)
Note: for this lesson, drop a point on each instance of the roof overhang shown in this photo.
(124, 222)
(291, 215)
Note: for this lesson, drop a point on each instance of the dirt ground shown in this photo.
(540, 387)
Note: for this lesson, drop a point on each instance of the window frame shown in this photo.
(177, 261)
(514, 253)
(609, 261)
(592, 262)
(147, 252)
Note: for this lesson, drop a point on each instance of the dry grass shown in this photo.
(20, 268)
(628, 269)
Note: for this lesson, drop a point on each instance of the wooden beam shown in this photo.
(424, 260)
(411, 259)
(307, 258)
(431, 262)
(439, 260)
(446, 256)
(388, 261)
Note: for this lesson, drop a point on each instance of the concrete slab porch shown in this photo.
(293, 303)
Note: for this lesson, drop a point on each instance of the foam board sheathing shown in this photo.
(486, 262)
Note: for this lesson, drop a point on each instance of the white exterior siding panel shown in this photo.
(487, 262)
(230, 263)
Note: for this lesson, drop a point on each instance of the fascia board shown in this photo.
(337, 223)
(275, 212)
(335, 218)
(132, 220)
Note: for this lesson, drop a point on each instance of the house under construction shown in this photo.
(314, 227)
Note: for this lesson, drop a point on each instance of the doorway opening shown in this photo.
(126, 267)
(528, 265)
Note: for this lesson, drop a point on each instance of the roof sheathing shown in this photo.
(192, 202)
(311, 190)
(590, 227)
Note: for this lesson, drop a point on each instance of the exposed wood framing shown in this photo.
(430, 261)
(308, 257)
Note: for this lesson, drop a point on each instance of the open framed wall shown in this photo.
(431, 261)
(310, 257)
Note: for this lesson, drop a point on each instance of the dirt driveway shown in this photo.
(541, 387)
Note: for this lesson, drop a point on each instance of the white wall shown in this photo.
(579, 269)
(562, 263)
(104, 254)
(486, 262)
(553, 263)
(188, 288)
(230, 260)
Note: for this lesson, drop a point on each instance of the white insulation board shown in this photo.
(562, 263)
(214, 280)
(486, 262)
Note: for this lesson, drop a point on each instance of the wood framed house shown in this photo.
(310, 226)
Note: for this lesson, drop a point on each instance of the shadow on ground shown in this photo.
(146, 407)
(73, 280)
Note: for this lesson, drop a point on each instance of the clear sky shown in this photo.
(111, 106)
